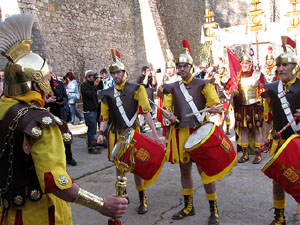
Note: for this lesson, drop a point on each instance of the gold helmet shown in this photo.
(245, 57)
(23, 66)
(170, 59)
(270, 53)
(288, 56)
(185, 57)
(117, 65)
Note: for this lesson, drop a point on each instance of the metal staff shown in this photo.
(165, 111)
(204, 110)
(277, 135)
(227, 110)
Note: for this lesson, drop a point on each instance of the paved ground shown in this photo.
(244, 195)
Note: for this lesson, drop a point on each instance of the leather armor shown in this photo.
(24, 182)
(181, 107)
(129, 103)
(279, 117)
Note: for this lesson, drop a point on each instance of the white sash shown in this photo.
(189, 100)
(119, 104)
(286, 107)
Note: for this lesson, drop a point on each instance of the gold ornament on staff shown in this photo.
(255, 15)
(124, 163)
(295, 20)
(209, 30)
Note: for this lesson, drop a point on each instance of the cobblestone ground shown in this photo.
(244, 195)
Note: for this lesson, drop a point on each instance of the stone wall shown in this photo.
(78, 35)
(182, 20)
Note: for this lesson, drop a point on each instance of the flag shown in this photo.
(234, 65)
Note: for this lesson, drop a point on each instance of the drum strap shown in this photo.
(119, 103)
(189, 100)
(286, 107)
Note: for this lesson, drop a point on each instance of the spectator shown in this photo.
(107, 79)
(57, 103)
(73, 96)
(149, 81)
(90, 102)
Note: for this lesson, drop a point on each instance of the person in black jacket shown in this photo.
(90, 102)
(57, 103)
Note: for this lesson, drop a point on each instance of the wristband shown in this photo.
(101, 132)
(89, 200)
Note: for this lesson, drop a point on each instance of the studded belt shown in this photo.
(18, 197)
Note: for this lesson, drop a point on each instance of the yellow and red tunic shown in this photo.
(48, 154)
(143, 106)
(175, 150)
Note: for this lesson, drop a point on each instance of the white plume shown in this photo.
(15, 29)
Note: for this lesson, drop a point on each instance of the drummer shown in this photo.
(287, 68)
(132, 100)
(202, 93)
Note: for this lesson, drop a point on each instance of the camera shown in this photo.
(59, 99)
(158, 70)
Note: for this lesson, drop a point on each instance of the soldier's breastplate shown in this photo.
(248, 89)
(130, 106)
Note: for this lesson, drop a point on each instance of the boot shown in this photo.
(214, 215)
(143, 208)
(245, 156)
(188, 209)
(257, 158)
(279, 218)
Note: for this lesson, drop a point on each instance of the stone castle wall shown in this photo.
(79, 35)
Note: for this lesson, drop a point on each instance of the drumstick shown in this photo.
(165, 111)
(278, 134)
(204, 110)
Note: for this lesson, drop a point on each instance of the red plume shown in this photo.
(186, 44)
(287, 41)
(118, 54)
(290, 42)
(270, 49)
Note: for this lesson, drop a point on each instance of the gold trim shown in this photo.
(63, 180)
(276, 154)
(19, 49)
(35, 194)
(89, 200)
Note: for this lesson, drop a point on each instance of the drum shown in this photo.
(148, 156)
(212, 151)
(284, 166)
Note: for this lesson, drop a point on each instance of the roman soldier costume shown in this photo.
(270, 69)
(248, 107)
(224, 85)
(282, 104)
(181, 98)
(120, 106)
(31, 168)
